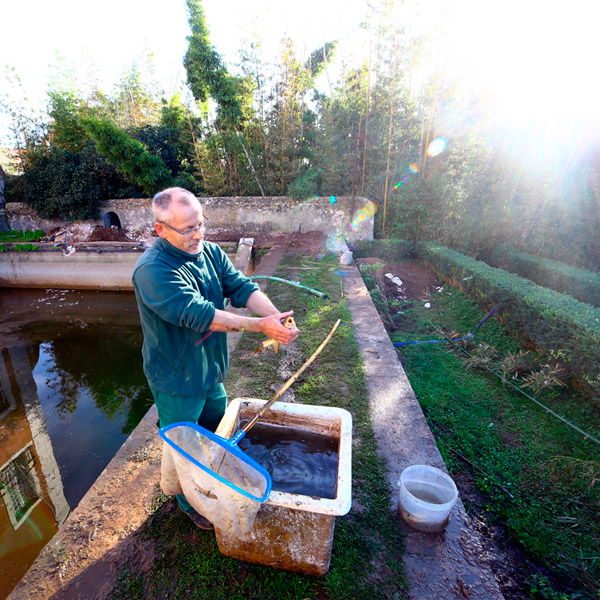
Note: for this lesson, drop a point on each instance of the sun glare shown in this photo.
(532, 58)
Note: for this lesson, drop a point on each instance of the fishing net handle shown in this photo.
(289, 382)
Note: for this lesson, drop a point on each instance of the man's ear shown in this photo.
(160, 230)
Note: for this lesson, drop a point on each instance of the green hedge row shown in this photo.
(558, 325)
(389, 249)
(579, 283)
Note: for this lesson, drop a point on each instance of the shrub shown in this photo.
(61, 184)
(129, 156)
(579, 283)
(390, 249)
(306, 185)
(558, 325)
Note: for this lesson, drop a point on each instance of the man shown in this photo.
(180, 286)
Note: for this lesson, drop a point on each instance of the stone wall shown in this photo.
(249, 215)
(22, 217)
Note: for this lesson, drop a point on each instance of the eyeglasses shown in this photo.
(187, 232)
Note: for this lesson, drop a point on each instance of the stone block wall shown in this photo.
(249, 215)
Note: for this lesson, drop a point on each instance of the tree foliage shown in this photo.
(62, 184)
(128, 155)
(206, 74)
(277, 132)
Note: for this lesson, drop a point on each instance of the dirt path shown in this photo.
(416, 281)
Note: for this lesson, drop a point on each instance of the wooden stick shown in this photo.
(291, 380)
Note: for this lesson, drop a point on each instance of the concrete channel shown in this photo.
(440, 566)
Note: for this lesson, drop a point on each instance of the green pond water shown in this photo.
(71, 391)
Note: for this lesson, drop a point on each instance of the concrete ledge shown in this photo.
(124, 493)
(444, 565)
(105, 266)
(94, 270)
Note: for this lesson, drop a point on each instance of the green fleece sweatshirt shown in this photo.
(177, 294)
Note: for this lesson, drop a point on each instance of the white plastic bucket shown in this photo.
(346, 258)
(427, 496)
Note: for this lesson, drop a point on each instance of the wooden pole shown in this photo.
(387, 171)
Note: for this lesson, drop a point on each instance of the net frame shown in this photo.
(229, 445)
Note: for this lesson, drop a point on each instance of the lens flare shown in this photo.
(414, 168)
(370, 208)
(437, 146)
(334, 243)
(367, 211)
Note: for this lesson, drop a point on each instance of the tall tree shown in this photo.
(3, 222)
(207, 78)
(128, 155)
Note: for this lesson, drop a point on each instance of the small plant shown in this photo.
(547, 377)
(26, 247)
(458, 343)
(483, 357)
(514, 364)
(585, 570)
(542, 589)
(4, 248)
(586, 470)
(21, 236)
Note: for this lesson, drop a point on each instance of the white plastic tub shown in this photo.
(293, 531)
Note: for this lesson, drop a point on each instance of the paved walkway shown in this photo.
(440, 566)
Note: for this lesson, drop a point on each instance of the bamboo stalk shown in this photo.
(367, 109)
(291, 380)
(387, 172)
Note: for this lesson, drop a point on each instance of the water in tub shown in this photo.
(300, 462)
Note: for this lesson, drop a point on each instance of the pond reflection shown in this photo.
(71, 390)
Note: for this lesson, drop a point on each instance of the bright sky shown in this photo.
(536, 58)
(37, 36)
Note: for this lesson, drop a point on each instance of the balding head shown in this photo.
(162, 202)
(179, 219)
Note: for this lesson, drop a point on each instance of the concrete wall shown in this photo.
(81, 270)
(102, 268)
(22, 217)
(245, 215)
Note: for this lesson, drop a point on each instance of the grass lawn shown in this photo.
(535, 475)
(366, 561)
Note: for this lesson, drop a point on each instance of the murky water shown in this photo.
(300, 462)
(71, 390)
(426, 494)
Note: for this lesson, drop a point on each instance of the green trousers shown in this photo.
(205, 409)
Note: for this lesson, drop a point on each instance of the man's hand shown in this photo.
(272, 326)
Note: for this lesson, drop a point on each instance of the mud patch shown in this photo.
(416, 282)
(108, 234)
(511, 566)
(295, 242)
